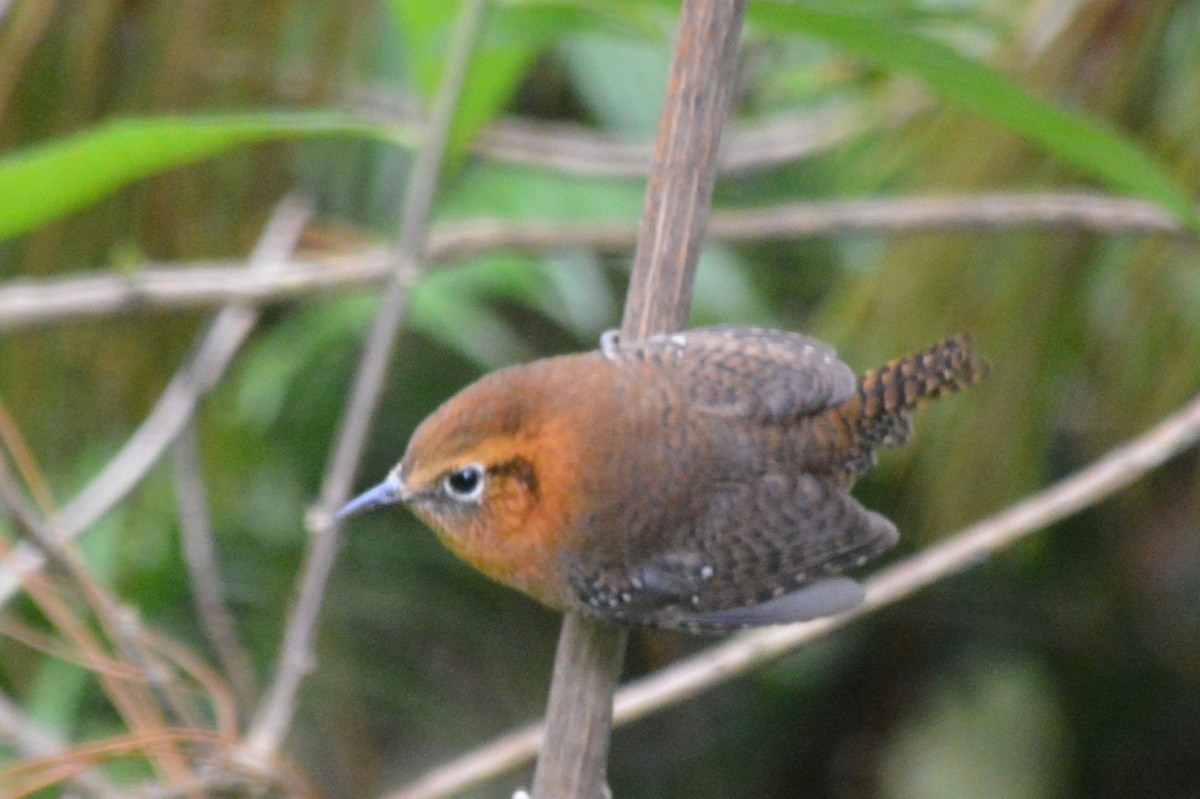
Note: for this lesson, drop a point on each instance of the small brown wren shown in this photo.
(696, 481)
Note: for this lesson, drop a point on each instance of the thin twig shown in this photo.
(200, 557)
(970, 546)
(274, 715)
(51, 645)
(28, 303)
(212, 355)
(25, 777)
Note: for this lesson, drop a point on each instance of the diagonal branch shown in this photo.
(1120, 467)
(274, 715)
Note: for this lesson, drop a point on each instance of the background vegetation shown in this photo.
(1067, 667)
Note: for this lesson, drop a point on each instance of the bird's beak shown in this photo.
(389, 492)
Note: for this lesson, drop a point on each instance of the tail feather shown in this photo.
(902, 384)
(876, 415)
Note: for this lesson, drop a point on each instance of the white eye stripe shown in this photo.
(465, 484)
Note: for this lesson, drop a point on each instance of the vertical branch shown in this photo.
(587, 666)
(588, 661)
(679, 190)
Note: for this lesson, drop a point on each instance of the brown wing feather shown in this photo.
(752, 545)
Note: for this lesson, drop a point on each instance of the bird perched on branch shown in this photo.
(695, 481)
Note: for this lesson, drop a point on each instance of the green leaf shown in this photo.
(1072, 137)
(50, 180)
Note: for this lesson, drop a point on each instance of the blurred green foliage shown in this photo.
(1067, 667)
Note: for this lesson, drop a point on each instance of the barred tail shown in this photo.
(902, 384)
(876, 414)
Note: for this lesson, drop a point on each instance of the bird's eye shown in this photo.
(465, 484)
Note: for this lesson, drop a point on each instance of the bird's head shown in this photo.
(475, 471)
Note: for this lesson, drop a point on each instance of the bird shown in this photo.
(695, 481)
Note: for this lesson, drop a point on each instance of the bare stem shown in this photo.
(679, 191)
(1118, 468)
